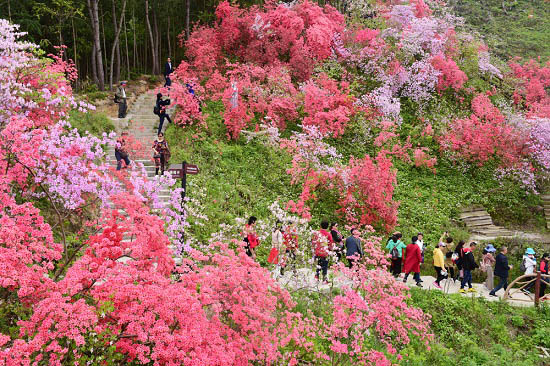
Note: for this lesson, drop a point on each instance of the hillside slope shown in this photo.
(511, 27)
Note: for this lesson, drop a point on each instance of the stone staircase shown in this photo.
(479, 222)
(141, 124)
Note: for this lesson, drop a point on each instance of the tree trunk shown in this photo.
(104, 47)
(156, 47)
(116, 64)
(94, 65)
(97, 63)
(118, 28)
(187, 11)
(135, 43)
(151, 39)
(127, 53)
(75, 54)
(168, 39)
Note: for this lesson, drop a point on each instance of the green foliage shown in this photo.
(94, 123)
(511, 27)
(241, 179)
(473, 331)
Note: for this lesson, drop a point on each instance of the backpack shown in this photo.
(156, 110)
(394, 253)
(115, 99)
(522, 266)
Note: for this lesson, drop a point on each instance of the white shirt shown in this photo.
(530, 264)
(420, 244)
(277, 239)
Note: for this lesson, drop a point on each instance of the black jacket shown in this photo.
(162, 103)
(501, 266)
(469, 261)
(168, 69)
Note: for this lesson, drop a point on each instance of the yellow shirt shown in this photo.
(439, 260)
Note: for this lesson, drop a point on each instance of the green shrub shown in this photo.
(92, 122)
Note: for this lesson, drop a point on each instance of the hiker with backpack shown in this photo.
(469, 264)
(322, 245)
(120, 152)
(528, 265)
(502, 268)
(395, 247)
(160, 110)
(120, 99)
(439, 264)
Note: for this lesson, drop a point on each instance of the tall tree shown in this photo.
(116, 42)
(93, 6)
(151, 38)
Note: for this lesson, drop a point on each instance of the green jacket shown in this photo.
(399, 245)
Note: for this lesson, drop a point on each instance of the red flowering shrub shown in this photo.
(450, 75)
(484, 135)
(534, 79)
(328, 105)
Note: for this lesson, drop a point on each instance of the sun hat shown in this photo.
(530, 251)
(490, 248)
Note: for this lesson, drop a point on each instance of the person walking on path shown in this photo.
(395, 247)
(120, 152)
(459, 259)
(160, 110)
(502, 268)
(413, 257)
(290, 240)
(420, 243)
(121, 99)
(322, 244)
(468, 266)
(161, 153)
(544, 267)
(529, 262)
(250, 237)
(487, 264)
(277, 242)
(439, 264)
(337, 240)
(168, 69)
(354, 251)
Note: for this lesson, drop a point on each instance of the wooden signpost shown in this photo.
(182, 173)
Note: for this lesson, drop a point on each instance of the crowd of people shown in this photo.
(458, 263)
(450, 262)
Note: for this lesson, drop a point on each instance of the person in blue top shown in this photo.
(395, 247)
(501, 270)
(353, 247)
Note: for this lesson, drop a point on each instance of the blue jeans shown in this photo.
(119, 157)
(502, 283)
(162, 117)
(467, 279)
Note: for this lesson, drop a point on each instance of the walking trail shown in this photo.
(304, 279)
(141, 123)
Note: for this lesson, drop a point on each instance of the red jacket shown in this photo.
(543, 267)
(413, 257)
(322, 243)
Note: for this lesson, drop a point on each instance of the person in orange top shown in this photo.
(322, 244)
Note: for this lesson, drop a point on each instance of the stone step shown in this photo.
(480, 213)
